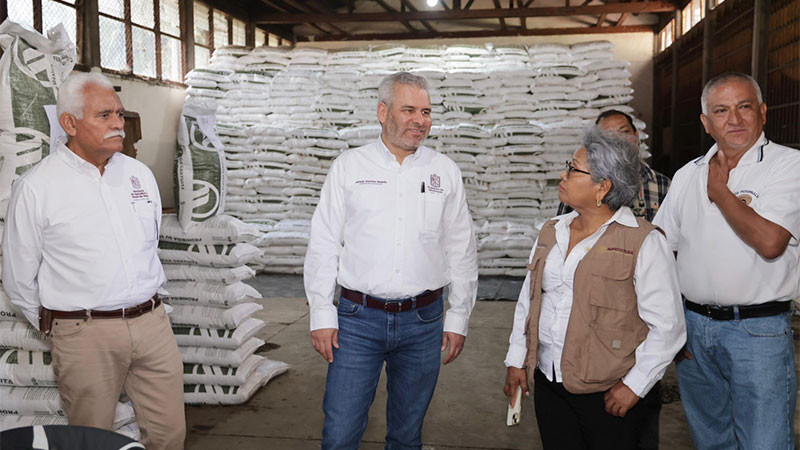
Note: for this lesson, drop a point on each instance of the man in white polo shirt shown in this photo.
(393, 228)
(733, 217)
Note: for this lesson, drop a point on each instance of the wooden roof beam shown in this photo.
(502, 20)
(491, 33)
(405, 23)
(410, 7)
(651, 6)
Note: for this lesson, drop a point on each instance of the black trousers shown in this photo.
(580, 422)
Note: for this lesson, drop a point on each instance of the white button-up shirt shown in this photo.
(392, 231)
(714, 265)
(657, 298)
(75, 239)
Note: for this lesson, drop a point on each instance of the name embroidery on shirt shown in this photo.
(371, 182)
(138, 193)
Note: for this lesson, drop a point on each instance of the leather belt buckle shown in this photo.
(393, 306)
(708, 311)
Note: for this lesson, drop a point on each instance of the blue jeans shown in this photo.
(409, 342)
(740, 389)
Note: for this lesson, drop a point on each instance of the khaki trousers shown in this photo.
(95, 358)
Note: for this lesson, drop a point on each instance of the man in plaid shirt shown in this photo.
(654, 184)
(654, 189)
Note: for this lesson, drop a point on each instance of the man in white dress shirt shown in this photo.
(80, 261)
(392, 228)
(733, 217)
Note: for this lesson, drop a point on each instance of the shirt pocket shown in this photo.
(432, 214)
(146, 214)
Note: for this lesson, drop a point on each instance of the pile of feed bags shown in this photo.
(212, 308)
(32, 67)
(509, 115)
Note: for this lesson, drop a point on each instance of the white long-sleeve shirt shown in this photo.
(658, 299)
(377, 231)
(75, 239)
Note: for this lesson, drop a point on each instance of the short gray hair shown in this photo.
(70, 93)
(611, 156)
(725, 78)
(386, 88)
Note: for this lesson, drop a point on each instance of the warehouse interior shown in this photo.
(277, 89)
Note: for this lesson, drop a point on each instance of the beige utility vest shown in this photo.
(604, 326)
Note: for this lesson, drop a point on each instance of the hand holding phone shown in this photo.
(514, 412)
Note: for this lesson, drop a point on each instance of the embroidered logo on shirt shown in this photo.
(138, 193)
(746, 196)
(435, 184)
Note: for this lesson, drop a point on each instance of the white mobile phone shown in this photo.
(514, 413)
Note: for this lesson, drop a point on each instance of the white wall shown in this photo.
(159, 109)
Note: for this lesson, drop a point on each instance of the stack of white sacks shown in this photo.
(508, 115)
(211, 308)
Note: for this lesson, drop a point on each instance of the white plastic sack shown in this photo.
(220, 356)
(204, 394)
(210, 317)
(221, 229)
(9, 312)
(30, 401)
(230, 255)
(21, 335)
(219, 338)
(188, 272)
(211, 294)
(24, 368)
(200, 175)
(31, 70)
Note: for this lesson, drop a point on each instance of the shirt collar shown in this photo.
(623, 216)
(389, 156)
(754, 154)
(78, 163)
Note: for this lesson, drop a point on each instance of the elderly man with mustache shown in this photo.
(80, 261)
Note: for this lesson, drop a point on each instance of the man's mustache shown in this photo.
(115, 133)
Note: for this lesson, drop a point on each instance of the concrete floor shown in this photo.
(468, 410)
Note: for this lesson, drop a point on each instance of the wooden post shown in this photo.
(675, 156)
(709, 28)
(90, 32)
(760, 42)
(187, 34)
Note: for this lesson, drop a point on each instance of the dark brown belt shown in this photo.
(392, 305)
(124, 313)
(717, 312)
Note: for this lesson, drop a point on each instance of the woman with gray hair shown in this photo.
(599, 316)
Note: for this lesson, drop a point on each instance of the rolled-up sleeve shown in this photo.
(22, 251)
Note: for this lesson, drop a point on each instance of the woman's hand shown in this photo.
(620, 399)
(516, 377)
